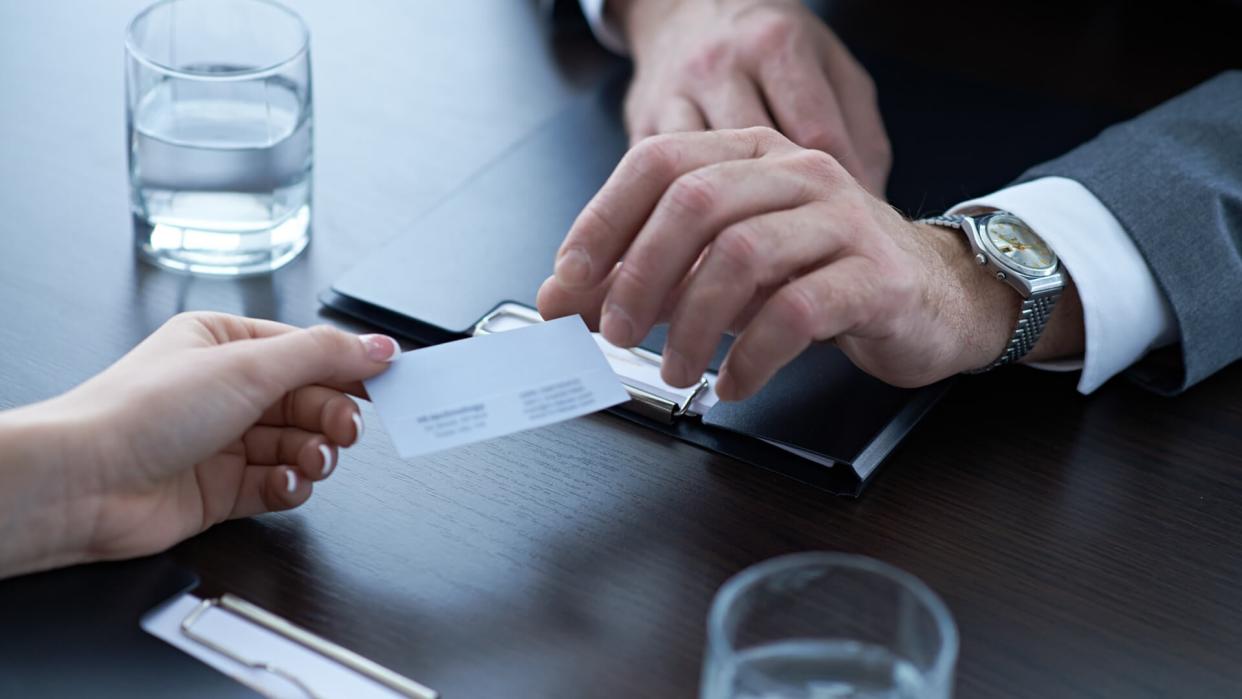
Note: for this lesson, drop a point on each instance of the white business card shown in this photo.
(466, 391)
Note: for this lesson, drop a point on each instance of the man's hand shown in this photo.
(212, 417)
(722, 64)
(746, 231)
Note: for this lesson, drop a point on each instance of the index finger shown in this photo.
(603, 231)
(555, 301)
(225, 328)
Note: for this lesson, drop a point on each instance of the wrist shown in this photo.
(983, 312)
(43, 523)
(978, 312)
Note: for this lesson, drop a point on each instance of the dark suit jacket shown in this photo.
(1171, 173)
(1173, 178)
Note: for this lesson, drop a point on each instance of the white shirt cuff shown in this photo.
(1124, 314)
(605, 32)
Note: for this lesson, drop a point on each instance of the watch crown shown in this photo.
(981, 259)
(1000, 276)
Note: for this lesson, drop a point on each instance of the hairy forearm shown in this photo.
(984, 311)
(36, 531)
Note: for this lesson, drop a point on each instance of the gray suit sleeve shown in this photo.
(1173, 178)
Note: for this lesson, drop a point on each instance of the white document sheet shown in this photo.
(487, 386)
(255, 643)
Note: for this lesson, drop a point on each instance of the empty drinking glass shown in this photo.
(828, 626)
(219, 121)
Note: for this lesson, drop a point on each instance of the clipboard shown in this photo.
(86, 618)
(270, 655)
(637, 368)
(480, 255)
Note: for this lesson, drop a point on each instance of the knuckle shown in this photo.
(200, 318)
(188, 317)
(738, 247)
(818, 135)
(709, 61)
(654, 156)
(594, 225)
(796, 309)
(692, 194)
(820, 167)
(761, 139)
(631, 279)
(329, 339)
(765, 134)
(212, 323)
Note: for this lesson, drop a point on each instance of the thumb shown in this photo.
(274, 366)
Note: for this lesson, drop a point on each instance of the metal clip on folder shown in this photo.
(638, 369)
(332, 652)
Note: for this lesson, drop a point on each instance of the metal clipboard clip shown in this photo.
(265, 619)
(651, 398)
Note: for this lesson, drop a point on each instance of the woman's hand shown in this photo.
(212, 417)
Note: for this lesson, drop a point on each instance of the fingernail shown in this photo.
(358, 430)
(291, 481)
(380, 348)
(617, 327)
(328, 462)
(573, 268)
(675, 369)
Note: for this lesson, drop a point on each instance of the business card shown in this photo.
(488, 386)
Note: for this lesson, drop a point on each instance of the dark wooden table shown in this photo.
(1087, 546)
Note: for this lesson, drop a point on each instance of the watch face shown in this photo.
(1014, 242)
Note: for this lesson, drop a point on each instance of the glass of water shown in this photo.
(828, 626)
(219, 119)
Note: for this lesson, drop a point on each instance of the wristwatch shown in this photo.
(1007, 247)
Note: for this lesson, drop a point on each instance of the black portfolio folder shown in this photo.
(492, 242)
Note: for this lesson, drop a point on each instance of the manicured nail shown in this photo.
(328, 462)
(675, 370)
(380, 348)
(358, 430)
(617, 327)
(291, 481)
(573, 268)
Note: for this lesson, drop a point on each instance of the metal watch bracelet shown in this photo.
(1032, 316)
